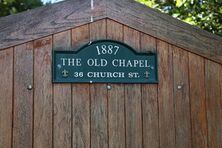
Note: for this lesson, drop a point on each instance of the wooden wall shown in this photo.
(184, 110)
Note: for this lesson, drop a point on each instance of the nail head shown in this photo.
(29, 87)
(109, 87)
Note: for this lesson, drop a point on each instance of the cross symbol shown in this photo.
(147, 74)
(65, 73)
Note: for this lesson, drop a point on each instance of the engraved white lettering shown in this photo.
(97, 62)
(63, 61)
(71, 62)
(129, 63)
(122, 63)
(115, 62)
(105, 74)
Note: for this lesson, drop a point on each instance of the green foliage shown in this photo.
(8, 7)
(206, 14)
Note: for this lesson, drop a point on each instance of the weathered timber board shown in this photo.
(43, 94)
(133, 98)
(165, 96)
(98, 96)
(116, 108)
(213, 103)
(181, 98)
(81, 97)
(23, 98)
(198, 101)
(6, 97)
(62, 122)
(149, 101)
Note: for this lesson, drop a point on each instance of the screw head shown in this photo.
(109, 87)
(29, 87)
(179, 87)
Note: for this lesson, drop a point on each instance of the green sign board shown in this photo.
(104, 61)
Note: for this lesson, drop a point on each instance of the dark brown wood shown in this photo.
(181, 98)
(116, 110)
(43, 104)
(23, 98)
(197, 101)
(62, 133)
(213, 103)
(98, 95)
(81, 97)
(149, 101)
(133, 99)
(165, 95)
(6, 91)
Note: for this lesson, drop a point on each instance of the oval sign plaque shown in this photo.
(104, 61)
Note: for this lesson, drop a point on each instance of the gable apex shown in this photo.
(47, 20)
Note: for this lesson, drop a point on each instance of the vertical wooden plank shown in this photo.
(23, 98)
(165, 96)
(62, 100)
(43, 93)
(181, 98)
(197, 101)
(114, 30)
(220, 81)
(133, 99)
(80, 36)
(6, 85)
(81, 100)
(81, 116)
(213, 103)
(116, 97)
(149, 101)
(98, 95)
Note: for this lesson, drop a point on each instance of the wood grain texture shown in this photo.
(197, 101)
(220, 129)
(6, 86)
(43, 93)
(181, 98)
(165, 27)
(23, 98)
(165, 95)
(149, 101)
(213, 103)
(133, 98)
(80, 36)
(81, 97)
(47, 20)
(62, 131)
(114, 30)
(98, 95)
(30, 25)
(116, 110)
(81, 115)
